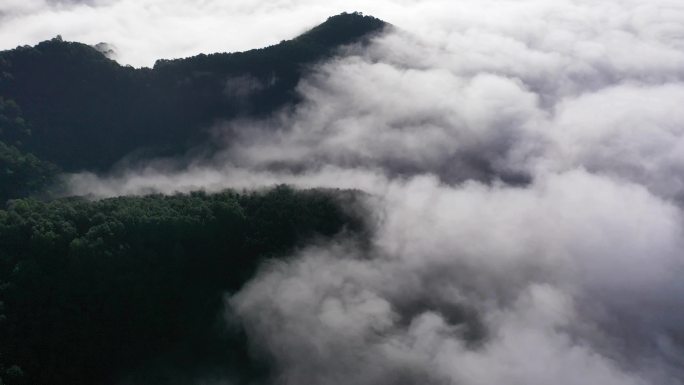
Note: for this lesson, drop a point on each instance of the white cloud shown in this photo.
(539, 267)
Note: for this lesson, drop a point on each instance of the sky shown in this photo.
(525, 179)
(147, 30)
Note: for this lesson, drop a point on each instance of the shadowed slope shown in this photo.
(87, 111)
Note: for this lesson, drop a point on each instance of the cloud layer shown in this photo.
(525, 178)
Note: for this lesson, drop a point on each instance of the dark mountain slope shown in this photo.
(131, 290)
(87, 111)
(23, 174)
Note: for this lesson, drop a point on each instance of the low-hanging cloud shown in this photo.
(523, 163)
(558, 282)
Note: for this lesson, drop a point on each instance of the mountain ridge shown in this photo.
(86, 111)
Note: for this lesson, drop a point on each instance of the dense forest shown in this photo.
(132, 288)
(68, 104)
(21, 174)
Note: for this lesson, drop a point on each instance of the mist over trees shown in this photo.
(491, 193)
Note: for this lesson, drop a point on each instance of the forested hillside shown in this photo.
(86, 111)
(131, 289)
(21, 174)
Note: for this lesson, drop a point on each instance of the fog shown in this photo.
(524, 170)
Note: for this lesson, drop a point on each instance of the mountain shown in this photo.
(132, 289)
(81, 110)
